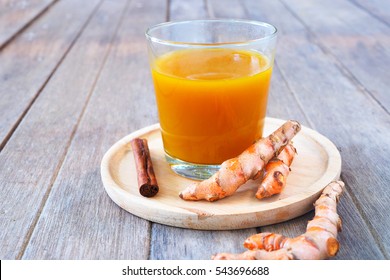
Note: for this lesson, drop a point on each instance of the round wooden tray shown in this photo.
(317, 163)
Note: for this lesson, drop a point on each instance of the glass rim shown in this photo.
(183, 43)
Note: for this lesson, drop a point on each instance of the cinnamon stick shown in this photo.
(147, 182)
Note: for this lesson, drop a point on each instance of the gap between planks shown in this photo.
(5, 44)
(354, 81)
(26, 25)
(348, 77)
(108, 78)
(347, 73)
(368, 11)
(69, 142)
(19, 120)
(371, 229)
(150, 224)
(292, 92)
(168, 11)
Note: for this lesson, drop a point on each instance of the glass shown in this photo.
(211, 81)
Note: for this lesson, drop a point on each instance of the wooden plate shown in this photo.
(317, 163)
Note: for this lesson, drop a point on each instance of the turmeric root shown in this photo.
(276, 172)
(318, 242)
(248, 165)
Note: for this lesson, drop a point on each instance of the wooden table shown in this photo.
(74, 79)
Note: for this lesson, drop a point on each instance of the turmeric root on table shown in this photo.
(276, 172)
(318, 242)
(248, 165)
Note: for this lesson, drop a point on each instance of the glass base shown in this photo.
(191, 170)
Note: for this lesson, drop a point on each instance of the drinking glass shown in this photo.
(211, 81)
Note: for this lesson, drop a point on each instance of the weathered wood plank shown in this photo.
(359, 41)
(122, 101)
(377, 8)
(186, 10)
(333, 104)
(27, 62)
(15, 15)
(30, 162)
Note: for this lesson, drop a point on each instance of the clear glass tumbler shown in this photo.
(211, 81)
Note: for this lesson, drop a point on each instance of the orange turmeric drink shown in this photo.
(211, 102)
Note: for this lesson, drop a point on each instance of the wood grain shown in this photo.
(333, 103)
(28, 62)
(187, 10)
(359, 41)
(30, 162)
(15, 15)
(94, 227)
(377, 8)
